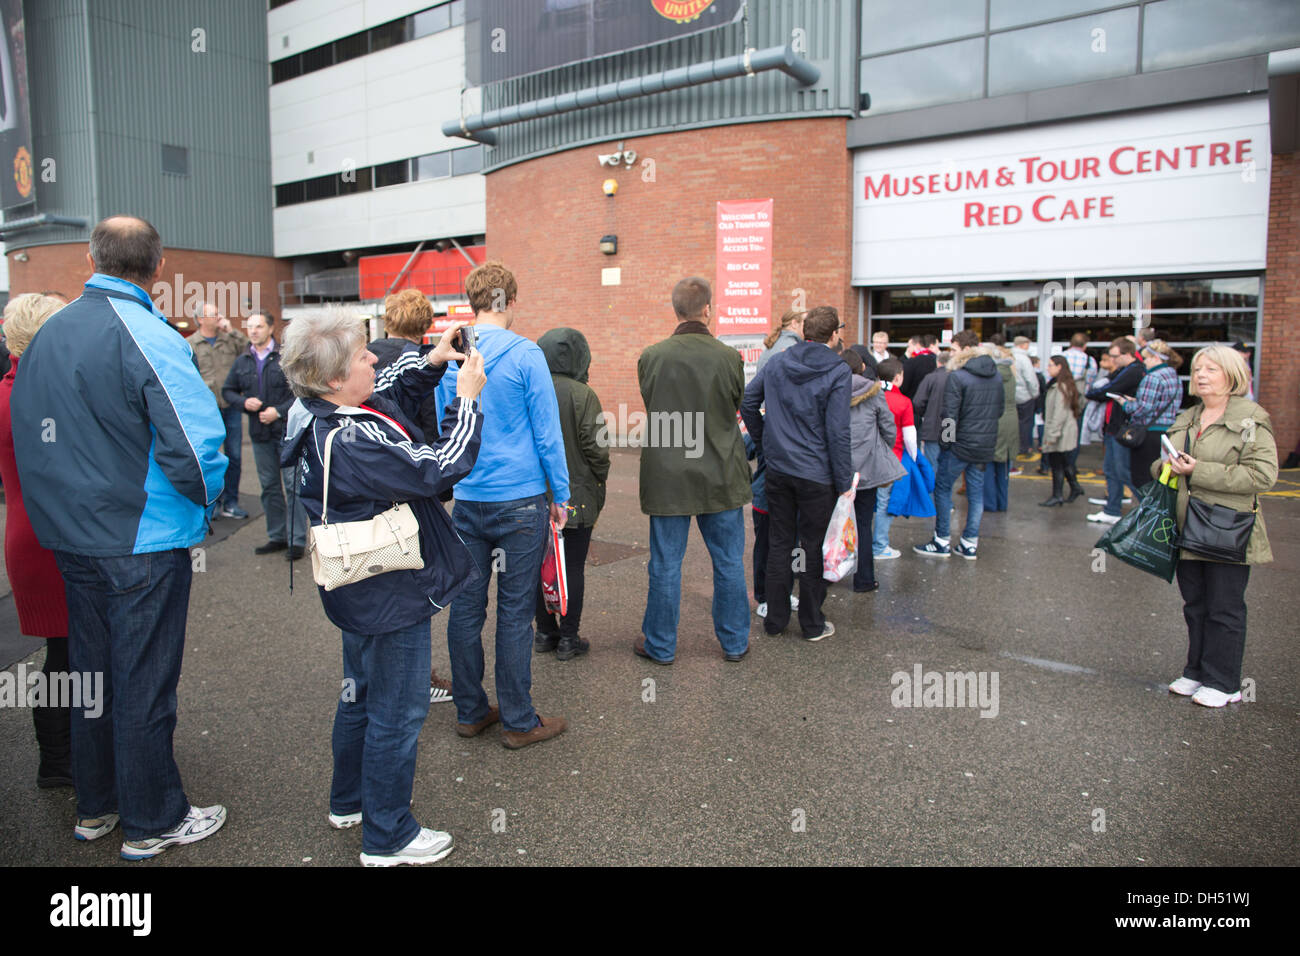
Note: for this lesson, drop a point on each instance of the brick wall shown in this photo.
(63, 268)
(1279, 373)
(545, 218)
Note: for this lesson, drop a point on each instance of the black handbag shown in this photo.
(1132, 436)
(1216, 532)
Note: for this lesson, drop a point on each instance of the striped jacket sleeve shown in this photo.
(409, 380)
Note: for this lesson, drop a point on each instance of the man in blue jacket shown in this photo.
(806, 441)
(501, 515)
(118, 442)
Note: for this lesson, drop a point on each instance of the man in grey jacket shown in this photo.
(1026, 391)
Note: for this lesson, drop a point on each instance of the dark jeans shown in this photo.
(1115, 467)
(508, 537)
(376, 731)
(54, 723)
(761, 529)
(126, 621)
(1214, 606)
(997, 485)
(1072, 457)
(278, 485)
(799, 508)
(576, 543)
(1025, 414)
(864, 510)
(233, 417)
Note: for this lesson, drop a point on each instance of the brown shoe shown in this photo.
(546, 728)
(473, 730)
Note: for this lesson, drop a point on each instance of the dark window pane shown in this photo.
(950, 73)
(289, 194)
(322, 187)
(388, 34)
(1058, 54)
(900, 330)
(391, 174)
(1011, 13)
(1182, 32)
(467, 160)
(892, 26)
(1002, 300)
(318, 58)
(433, 166)
(355, 181)
(349, 48)
(1205, 293)
(430, 21)
(905, 301)
(286, 69)
(176, 160)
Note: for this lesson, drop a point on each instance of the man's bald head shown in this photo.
(126, 247)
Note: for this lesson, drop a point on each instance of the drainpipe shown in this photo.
(13, 227)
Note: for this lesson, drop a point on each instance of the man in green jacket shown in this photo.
(693, 463)
(216, 345)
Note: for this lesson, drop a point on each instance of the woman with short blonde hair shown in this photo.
(23, 316)
(1233, 364)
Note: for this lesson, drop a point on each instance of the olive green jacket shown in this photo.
(214, 361)
(586, 445)
(1009, 424)
(1236, 460)
(692, 454)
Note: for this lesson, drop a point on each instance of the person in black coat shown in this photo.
(919, 362)
(257, 384)
(407, 317)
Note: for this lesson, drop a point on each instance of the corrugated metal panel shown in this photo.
(828, 29)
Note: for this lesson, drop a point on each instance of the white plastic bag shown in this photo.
(840, 546)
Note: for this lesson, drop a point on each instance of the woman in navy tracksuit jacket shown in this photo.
(380, 457)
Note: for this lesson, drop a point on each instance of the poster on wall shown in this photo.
(743, 292)
(17, 169)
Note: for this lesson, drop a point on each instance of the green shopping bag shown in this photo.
(1145, 536)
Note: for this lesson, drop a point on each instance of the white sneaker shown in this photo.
(1209, 697)
(1185, 687)
(794, 603)
(887, 555)
(95, 827)
(429, 846)
(341, 821)
(827, 631)
(761, 610)
(1102, 518)
(199, 823)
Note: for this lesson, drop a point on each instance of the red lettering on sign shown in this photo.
(1037, 209)
(1243, 150)
(1114, 161)
(1219, 154)
(1192, 151)
(974, 213)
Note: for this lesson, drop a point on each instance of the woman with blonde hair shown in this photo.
(37, 586)
(1227, 456)
(787, 333)
(1156, 404)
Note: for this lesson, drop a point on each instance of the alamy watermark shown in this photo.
(652, 430)
(923, 688)
(1092, 298)
(181, 299)
(35, 688)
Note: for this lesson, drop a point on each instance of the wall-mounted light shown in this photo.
(609, 187)
(21, 257)
(609, 245)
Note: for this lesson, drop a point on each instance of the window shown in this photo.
(422, 23)
(390, 34)
(318, 58)
(939, 74)
(1058, 54)
(392, 174)
(467, 160)
(1013, 13)
(176, 160)
(432, 166)
(357, 181)
(430, 21)
(286, 69)
(912, 302)
(290, 194)
(888, 26)
(1182, 32)
(349, 48)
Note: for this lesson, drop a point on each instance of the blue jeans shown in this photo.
(377, 725)
(508, 537)
(126, 621)
(278, 485)
(724, 536)
(945, 476)
(931, 449)
(233, 417)
(997, 485)
(883, 519)
(1116, 470)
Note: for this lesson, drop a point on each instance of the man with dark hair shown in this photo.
(918, 362)
(693, 465)
(120, 494)
(1125, 380)
(806, 442)
(257, 387)
(973, 401)
(216, 345)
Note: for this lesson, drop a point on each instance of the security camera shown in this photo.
(629, 157)
(609, 159)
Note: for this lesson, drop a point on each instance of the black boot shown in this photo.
(571, 647)
(1058, 479)
(1292, 460)
(1076, 490)
(54, 738)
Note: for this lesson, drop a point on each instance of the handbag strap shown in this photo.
(325, 492)
(1187, 448)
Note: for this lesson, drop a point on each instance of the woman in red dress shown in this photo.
(37, 586)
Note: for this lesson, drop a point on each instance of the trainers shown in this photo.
(429, 846)
(1103, 518)
(1015, 472)
(933, 549)
(547, 727)
(95, 827)
(342, 821)
(964, 550)
(199, 823)
(439, 688)
(1209, 697)
(1185, 687)
(571, 647)
(887, 555)
(761, 610)
(233, 511)
(827, 631)
(476, 728)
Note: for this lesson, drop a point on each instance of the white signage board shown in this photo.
(1182, 189)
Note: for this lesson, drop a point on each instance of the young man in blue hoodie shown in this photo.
(501, 515)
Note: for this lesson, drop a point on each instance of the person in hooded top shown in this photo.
(586, 452)
(873, 433)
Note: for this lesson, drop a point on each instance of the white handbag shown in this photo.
(349, 551)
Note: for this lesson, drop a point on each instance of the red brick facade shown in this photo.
(63, 268)
(545, 218)
(1279, 360)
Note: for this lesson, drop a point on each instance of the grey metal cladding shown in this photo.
(828, 28)
(153, 81)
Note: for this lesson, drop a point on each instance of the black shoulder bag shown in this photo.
(1215, 531)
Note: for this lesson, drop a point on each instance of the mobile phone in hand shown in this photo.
(1173, 453)
(467, 339)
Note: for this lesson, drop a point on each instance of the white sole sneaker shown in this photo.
(1209, 697)
(95, 827)
(342, 821)
(437, 695)
(199, 824)
(1184, 687)
(1102, 518)
(827, 631)
(888, 555)
(429, 846)
(761, 610)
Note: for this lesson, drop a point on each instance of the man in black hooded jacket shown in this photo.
(973, 400)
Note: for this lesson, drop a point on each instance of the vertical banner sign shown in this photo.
(17, 169)
(744, 289)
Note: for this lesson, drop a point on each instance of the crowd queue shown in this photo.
(120, 442)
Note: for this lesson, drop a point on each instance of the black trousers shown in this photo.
(577, 541)
(800, 510)
(53, 725)
(1025, 413)
(1214, 606)
(760, 555)
(864, 510)
(1140, 459)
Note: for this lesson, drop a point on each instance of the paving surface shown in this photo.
(796, 754)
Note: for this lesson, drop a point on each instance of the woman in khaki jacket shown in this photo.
(1061, 431)
(1230, 459)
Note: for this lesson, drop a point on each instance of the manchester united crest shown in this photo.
(23, 171)
(681, 11)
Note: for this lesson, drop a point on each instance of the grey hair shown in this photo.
(318, 349)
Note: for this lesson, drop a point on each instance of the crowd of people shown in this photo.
(125, 436)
